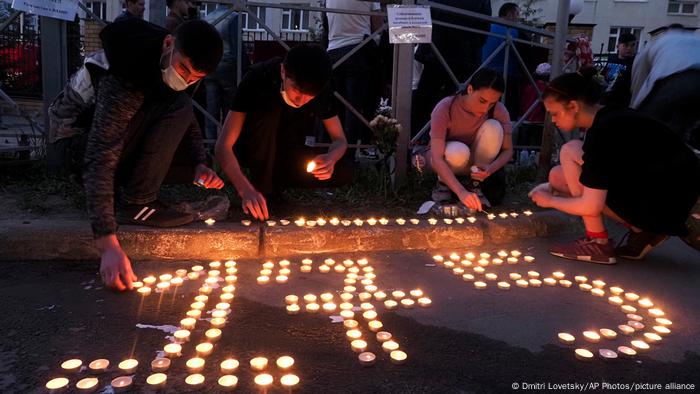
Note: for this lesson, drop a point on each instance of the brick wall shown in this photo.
(92, 38)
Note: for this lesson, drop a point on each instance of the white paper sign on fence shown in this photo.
(409, 24)
(59, 9)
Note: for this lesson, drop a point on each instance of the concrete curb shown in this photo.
(72, 240)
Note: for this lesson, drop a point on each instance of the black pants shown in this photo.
(353, 80)
(675, 100)
(152, 139)
(271, 147)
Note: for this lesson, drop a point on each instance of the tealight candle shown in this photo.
(137, 285)
(497, 261)
(591, 336)
(479, 270)
(364, 296)
(491, 276)
(634, 317)
(334, 221)
(598, 283)
(291, 299)
(615, 300)
(229, 365)
(72, 365)
(160, 364)
(535, 282)
(483, 262)
(205, 289)
(608, 333)
(57, 385)
(98, 366)
(607, 354)
(416, 293)
(398, 357)
(558, 275)
(176, 281)
(339, 268)
(459, 220)
(615, 290)
(528, 259)
(144, 291)
(289, 380)
(375, 325)
(371, 288)
(285, 362)
(281, 279)
(566, 338)
(198, 305)
(468, 277)
(210, 281)
(213, 334)
(129, 366)
(305, 268)
(358, 222)
(358, 345)
(656, 312)
(149, 280)
(367, 359)
(480, 285)
(512, 260)
(408, 303)
(383, 336)
(438, 259)
(329, 307)
(663, 321)
(219, 313)
(626, 351)
(226, 297)
(284, 271)
(188, 323)
(640, 345)
(398, 294)
(390, 304)
(400, 221)
(165, 277)
(584, 354)
(194, 380)
(631, 296)
(425, 302)
(347, 314)
(628, 309)
(210, 222)
(661, 330)
(471, 219)
(321, 222)
(625, 329)
(353, 334)
(503, 215)
(390, 345)
(597, 292)
(447, 220)
(638, 326)
(515, 276)
(122, 383)
(204, 349)
(415, 221)
(652, 337)
(87, 385)
(580, 279)
(504, 285)
(565, 283)
(522, 283)
(349, 289)
(515, 253)
(310, 166)
(182, 336)
(156, 380)
(345, 306)
(324, 269)
(350, 324)
(258, 363)
(432, 221)
(502, 254)
(228, 382)
(371, 314)
(458, 271)
(312, 307)
(346, 222)
(263, 280)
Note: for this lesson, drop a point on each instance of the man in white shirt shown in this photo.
(353, 79)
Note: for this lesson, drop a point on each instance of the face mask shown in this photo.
(286, 98)
(172, 78)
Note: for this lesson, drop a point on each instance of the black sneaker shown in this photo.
(155, 214)
(639, 244)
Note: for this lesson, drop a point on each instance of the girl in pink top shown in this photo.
(470, 134)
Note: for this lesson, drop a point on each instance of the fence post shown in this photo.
(401, 91)
(54, 63)
(562, 28)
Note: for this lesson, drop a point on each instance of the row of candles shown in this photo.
(597, 288)
(334, 221)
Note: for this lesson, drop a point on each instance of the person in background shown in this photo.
(530, 132)
(275, 108)
(133, 9)
(618, 72)
(470, 134)
(666, 83)
(180, 11)
(610, 173)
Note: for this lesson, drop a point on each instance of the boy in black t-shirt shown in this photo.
(610, 174)
(275, 107)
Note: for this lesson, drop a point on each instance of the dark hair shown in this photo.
(506, 9)
(488, 78)
(201, 43)
(309, 66)
(627, 37)
(131, 1)
(583, 85)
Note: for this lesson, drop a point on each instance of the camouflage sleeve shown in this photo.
(115, 106)
(76, 98)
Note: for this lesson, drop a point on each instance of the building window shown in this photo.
(295, 20)
(98, 8)
(681, 7)
(250, 23)
(616, 32)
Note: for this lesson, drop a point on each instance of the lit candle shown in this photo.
(285, 362)
(380, 295)
(346, 222)
(425, 302)
(468, 277)
(350, 324)
(72, 365)
(291, 299)
(398, 294)
(205, 289)
(364, 296)
(371, 288)
(512, 260)
(293, 309)
(566, 338)
(628, 309)
(565, 283)
(156, 380)
(339, 268)
(584, 354)
(263, 280)
(324, 269)
(408, 303)
(358, 345)
(535, 282)
(638, 326)
(447, 220)
(550, 281)
(415, 221)
(626, 351)
(358, 222)
(312, 307)
(390, 304)
(580, 279)
(195, 268)
(305, 268)
(491, 276)
(515, 253)
(401, 221)
(329, 307)
(310, 166)
(188, 323)
(528, 259)
(515, 276)
(334, 221)
(656, 312)
(591, 336)
(281, 279)
(258, 363)
(533, 274)
(652, 337)
(398, 357)
(631, 296)
(57, 385)
(144, 291)
(138, 285)
(321, 221)
(210, 281)
(615, 290)
(615, 300)
(471, 219)
(502, 254)
(458, 271)
(194, 380)
(129, 366)
(483, 262)
(375, 325)
(514, 214)
(470, 256)
(300, 222)
(558, 275)
(497, 261)
(608, 333)
(597, 292)
(480, 285)
(522, 283)
(503, 215)
(284, 271)
(459, 220)
(367, 359)
(349, 289)
(432, 221)
(353, 334)
(625, 329)
(289, 380)
(176, 281)
(284, 222)
(122, 383)
(390, 345)
(160, 364)
(598, 283)
(213, 334)
(640, 345)
(204, 349)
(661, 330)
(228, 382)
(182, 336)
(479, 270)
(663, 321)
(585, 287)
(383, 336)
(504, 285)
(210, 222)
(634, 317)
(87, 385)
(229, 365)
(98, 366)
(219, 313)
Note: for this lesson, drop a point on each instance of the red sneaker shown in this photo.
(586, 249)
